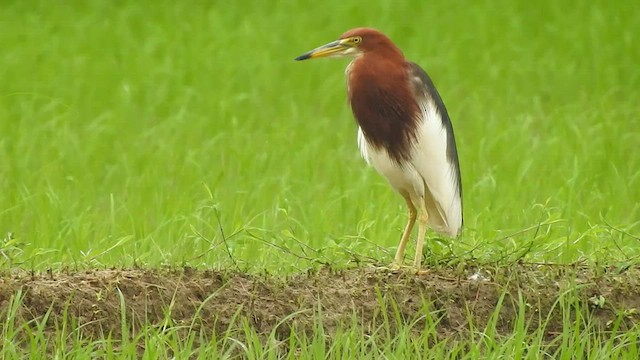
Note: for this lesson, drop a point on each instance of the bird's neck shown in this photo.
(383, 103)
(379, 63)
(374, 73)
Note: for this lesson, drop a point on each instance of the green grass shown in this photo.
(579, 339)
(136, 125)
(169, 133)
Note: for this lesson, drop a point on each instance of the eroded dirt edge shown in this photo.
(454, 296)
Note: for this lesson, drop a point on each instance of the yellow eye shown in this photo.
(357, 40)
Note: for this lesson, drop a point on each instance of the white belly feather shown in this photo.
(428, 176)
(405, 180)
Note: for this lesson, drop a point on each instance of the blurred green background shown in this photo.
(168, 133)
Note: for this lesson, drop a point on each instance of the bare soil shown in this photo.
(454, 295)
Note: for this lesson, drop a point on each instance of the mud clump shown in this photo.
(214, 299)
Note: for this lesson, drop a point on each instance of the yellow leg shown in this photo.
(407, 232)
(422, 229)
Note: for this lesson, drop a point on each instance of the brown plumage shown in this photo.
(404, 131)
(386, 111)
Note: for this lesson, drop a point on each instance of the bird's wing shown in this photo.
(436, 157)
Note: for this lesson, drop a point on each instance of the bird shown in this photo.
(404, 132)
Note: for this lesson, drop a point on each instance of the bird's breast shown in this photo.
(384, 106)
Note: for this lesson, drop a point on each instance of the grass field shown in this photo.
(152, 134)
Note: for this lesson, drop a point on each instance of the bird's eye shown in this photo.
(357, 40)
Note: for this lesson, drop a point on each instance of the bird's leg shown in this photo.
(397, 262)
(423, 217)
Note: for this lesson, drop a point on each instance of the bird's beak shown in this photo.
(333, 49)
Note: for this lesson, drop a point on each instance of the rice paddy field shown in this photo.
(174, 185)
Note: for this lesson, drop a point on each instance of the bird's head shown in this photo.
(354, 43)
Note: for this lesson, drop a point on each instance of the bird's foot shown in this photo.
(417, 267)
(395, 268)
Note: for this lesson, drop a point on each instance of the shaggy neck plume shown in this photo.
(384, 106)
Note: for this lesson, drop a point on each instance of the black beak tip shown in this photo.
(302, 57)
